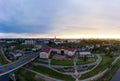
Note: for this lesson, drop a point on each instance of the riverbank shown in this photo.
(112, 75)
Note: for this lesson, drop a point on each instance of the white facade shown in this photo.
(44, 55)
(17, 55)
(58, 42)
(11, 41)
(34, 49)
(29, 42)
(97, 45)
(73, 41)
(38, 46)
(85, 53)
(46, 41)
(67, 52)
(70, 53)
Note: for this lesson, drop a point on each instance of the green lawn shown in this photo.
(90, 60)
(101, 67)
(42, 62)
(70, 62)
(62, 62)
(108, 76)
(23, 75)
(51, 73)
(38, 61)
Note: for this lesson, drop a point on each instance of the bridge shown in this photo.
(5, 69)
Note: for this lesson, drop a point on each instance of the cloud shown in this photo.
(23, 35)
(88, 17)
(60, 17)
(27, 16)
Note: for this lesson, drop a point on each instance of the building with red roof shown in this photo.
(45, 53)
(63, 51)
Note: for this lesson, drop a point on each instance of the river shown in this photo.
(116, 77)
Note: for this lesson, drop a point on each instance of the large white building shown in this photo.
(45, 53)
(58, 41)
(65, 51)
(73, 41)
(83, 53)
(29, 42)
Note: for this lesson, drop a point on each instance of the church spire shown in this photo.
(55, 39)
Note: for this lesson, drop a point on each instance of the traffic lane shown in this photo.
(17, 64)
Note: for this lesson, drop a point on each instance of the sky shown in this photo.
(60, 18)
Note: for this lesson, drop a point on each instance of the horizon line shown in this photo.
(53, 38)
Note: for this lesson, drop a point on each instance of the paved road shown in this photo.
(97, 63)
(75, 63)
(76, 75)
(17, 64)
(5, 77)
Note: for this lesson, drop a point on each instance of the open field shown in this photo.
(51, 73)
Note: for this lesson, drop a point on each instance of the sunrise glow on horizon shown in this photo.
(61, 18)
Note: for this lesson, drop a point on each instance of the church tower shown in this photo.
(55, 39)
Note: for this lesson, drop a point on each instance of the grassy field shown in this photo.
(90, 60)
(70, 62)
(62, 62)
(38, 61)
(51, 73)
(108, 76)
(23, 75)
(101, 67)
(42, 62)
(90, 67)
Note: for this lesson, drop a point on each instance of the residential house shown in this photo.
(16, 54)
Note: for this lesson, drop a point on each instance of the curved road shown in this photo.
(17, 64)
(60, 66)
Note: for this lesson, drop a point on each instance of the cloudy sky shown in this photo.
(61, 18)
